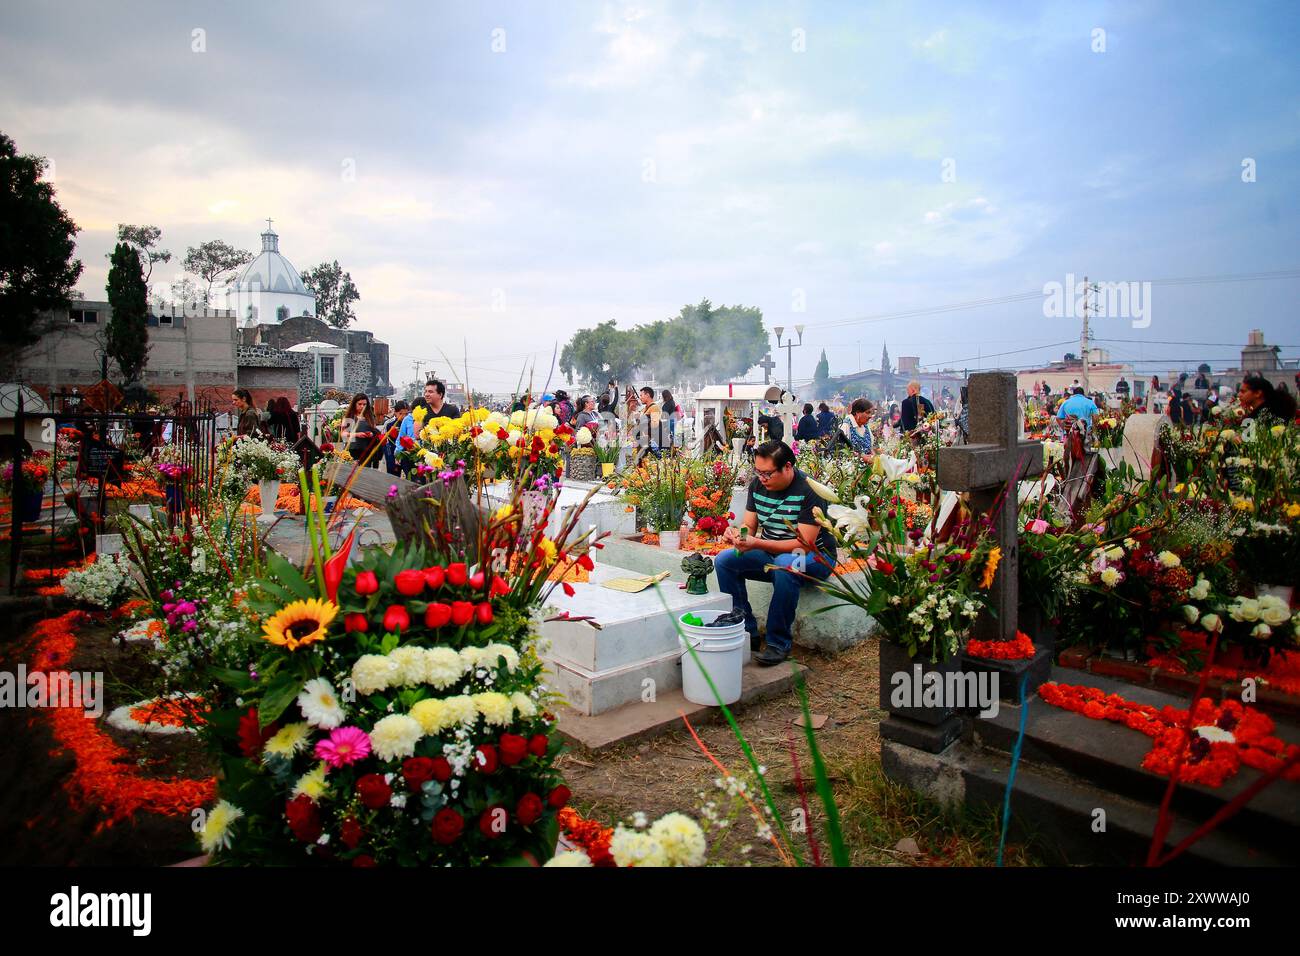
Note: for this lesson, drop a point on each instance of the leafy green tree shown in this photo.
(128, 330)
(594, 356)
(145, 239)
(821, 383)
(37, 240)
(334, 293)
(214, 260)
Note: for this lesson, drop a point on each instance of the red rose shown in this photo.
(374, 791)
(367, 583)
(350, 833)
(462, 612)
(492, 823)
(441, 769)
(502, 434)
(327, 447)
(253, 738)
(304, 818)
(447, 826)
(437, 615)
(416, 770)
(483, 613)
(538, 744)
(396, 619)
(457, 574)
(409, 583)
(356, 622)
(559, 797)
(513, 749)
(485, 758)
(885, 568)
(434, 577)
(477, 581)
(364, 860)
(407, 442)
(529, 809)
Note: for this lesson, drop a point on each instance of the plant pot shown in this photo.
(175, 499)
(270, 492)
(582, 467)
(894, 660)
(672, 540)
(30, 503)
(606, 469)
(1282, 591)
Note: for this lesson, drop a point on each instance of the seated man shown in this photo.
(781, 531)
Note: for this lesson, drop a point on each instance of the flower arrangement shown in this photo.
(532, 442)
(103, 582)
(708, 495)
(31, 479)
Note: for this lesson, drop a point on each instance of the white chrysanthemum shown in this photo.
(320, 705)
(288, 740)
(312, 783)
(1111, 577)
(634, 848)
(394, 737)
(459, 710)
(216, 829)
(486, 441)
(681, 838)
(524, 704)
(517, 419)
(1115, 553)
(443, 667)
(431, 714)
(582, 436)
(373, 672)
(469, 658)
(489, 656)
(410, 665)
(495, 707)
(1168, 559)
(569, 858)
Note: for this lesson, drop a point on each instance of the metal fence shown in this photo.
(185, 435)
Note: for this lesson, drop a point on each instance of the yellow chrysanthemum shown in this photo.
(495, 707)
(216, 829)
(300, 624)
(418, 413)
(431, 714)
(288, 740)
(548, 550)
(312, 783)
(991, 568)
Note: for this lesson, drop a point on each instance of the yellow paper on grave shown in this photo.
(635, 585)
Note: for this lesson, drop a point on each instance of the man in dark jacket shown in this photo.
(914, 408)
(825, 421)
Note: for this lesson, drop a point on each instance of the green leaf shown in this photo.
(289, 576)
(231, 677)
(277, 698)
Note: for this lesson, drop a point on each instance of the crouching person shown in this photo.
(782, 532)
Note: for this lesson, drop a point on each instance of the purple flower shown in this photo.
(189, 626)
(392, 491)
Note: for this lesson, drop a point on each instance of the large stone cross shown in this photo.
(994, 461)
(767, 365)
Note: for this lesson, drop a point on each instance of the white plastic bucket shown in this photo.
(722, 651)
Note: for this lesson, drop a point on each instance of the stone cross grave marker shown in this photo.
(994, 457)
(767, 365)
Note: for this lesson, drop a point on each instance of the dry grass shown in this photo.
(669, 772)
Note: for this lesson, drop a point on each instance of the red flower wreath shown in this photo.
(1022, 648)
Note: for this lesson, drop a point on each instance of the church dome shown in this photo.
(272, 272)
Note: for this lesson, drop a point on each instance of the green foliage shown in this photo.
(821, 383)
(145, 239)
(334, 293)
(128, 330)
(37, 240)
(212, 260)
(700, 343)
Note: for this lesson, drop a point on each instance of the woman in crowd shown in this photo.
(359, 431)
(807, 429)
(587, 416)
(857, 428)
(673, 412)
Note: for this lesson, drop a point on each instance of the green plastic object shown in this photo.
(692, 619)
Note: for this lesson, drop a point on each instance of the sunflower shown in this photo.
(991, 568)
(301, 623)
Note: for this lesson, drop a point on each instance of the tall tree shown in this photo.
(594, 356)
(145, 239)
(821, 383)
(214, 260)
(334, 293)
(185, 291)
(37, 240)
(128, 330)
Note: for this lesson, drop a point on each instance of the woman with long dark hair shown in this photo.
(672, 411)
(359, 430)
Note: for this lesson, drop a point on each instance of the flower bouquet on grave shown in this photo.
(31, 479)
(395, 713)
(708, 496)
(925, 600)
(1108, 430)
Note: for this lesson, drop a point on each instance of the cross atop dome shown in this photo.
(270, 241)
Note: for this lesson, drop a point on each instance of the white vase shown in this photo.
(1276, 590)
(270, 491)
(671, 540)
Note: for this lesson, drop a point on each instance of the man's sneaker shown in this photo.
(755, 642)
(770, 657)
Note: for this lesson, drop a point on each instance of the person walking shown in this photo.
(914, 408)
(825, 421)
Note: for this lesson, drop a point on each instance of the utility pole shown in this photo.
(418, 366)
(789, 347)
(1083, 341)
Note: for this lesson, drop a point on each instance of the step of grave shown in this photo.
(608, 512)
(1055, 812)
(641, 720)
(1109, 755)
(819, 624)
(632, 627)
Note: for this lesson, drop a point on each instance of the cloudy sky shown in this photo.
(496, 176)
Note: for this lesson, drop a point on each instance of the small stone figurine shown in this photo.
(697, 568)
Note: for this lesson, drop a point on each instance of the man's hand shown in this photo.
(731, 535)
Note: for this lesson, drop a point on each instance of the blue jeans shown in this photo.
(734, 570)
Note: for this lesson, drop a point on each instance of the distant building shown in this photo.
(269, 289)
(1103, 375)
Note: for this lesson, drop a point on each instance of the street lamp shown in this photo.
(789, 346)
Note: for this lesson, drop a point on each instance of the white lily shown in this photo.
(853, 522)
(895, 468)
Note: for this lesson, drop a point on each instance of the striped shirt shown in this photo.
(780, 511)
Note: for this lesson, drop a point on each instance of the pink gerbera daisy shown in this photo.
(345, 745)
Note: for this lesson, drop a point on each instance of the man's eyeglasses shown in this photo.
(766, 475)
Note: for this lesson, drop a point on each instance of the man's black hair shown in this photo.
(1079, 390)
(776, 450)
(442, 389)
(807, 409)
(823, 407)
(651, 391)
